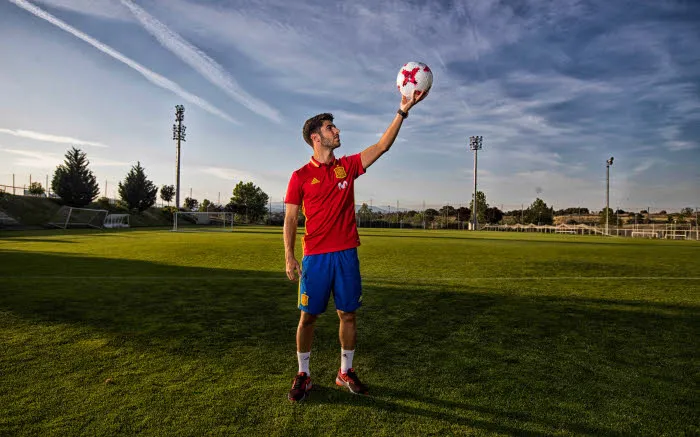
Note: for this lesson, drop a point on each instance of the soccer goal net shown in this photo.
(69, 217)
(197, 221)
(117, 221)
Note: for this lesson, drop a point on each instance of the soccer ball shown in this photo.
(414, 76)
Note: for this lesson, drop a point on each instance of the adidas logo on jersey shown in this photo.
(315, 181)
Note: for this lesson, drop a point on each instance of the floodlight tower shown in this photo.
(475, 143)
(178, 135)
(608, 163)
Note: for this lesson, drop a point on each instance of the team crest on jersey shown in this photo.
(340, 172)
(305, 299)
(315, 181)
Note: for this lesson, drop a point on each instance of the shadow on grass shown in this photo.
(552, 364)
(36, 240)
(393, 400)
(41, 234)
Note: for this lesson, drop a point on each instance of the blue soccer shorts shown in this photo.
(326, 273)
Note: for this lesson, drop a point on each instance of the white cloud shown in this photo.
(50, 138)
(228, 174)
(200, 62)
(151, 76)
(38, 159)
(32, 159)
(104, 9)
(644, 166)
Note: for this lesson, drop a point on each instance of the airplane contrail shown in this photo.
(150, 75)
(200, 62)
(49, 138)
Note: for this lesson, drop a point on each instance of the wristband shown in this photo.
(402, 113)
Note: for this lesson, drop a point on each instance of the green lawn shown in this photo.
(161, 333)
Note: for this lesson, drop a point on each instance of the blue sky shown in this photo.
(554, 87)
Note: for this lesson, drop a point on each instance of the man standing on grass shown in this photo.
(324, 188)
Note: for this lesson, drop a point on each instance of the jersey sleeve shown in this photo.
(294, 193)
(355, 166)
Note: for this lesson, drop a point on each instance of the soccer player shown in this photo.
(324, 188)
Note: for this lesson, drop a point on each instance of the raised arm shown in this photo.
(373, 152)
(290, 235)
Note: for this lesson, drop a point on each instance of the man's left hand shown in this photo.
(417, 96)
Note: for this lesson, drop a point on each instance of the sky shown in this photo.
(554, 87)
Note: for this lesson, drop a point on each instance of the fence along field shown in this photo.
(120, 332)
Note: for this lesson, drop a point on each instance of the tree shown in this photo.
(364, 213)
(481, 207)
(430, 214)
(191, 203)
(493, 215)
(167, 192)
(448, 211)
(73, 181)
(35, 189)
(464, 213)
(610, 216)
(249, 201)
(539, 213)
(137, 191)
(687, 212)
(205, 206)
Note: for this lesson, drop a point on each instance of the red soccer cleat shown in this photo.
(300, 387)
(352, 382)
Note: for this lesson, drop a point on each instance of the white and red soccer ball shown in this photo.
(414, 76)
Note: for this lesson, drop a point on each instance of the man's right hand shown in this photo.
(293, 269)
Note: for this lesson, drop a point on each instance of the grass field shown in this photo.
(161, 333)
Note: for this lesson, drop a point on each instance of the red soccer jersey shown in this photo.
(326, 193)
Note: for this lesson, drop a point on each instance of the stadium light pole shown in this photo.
(178, 135)
(475, 143)
(608, 163)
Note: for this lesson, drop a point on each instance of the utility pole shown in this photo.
(475, 144)
(608, 163)
(178, 135)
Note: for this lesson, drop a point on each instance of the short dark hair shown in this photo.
(313, 126)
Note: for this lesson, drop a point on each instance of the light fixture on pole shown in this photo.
(475, 143)
(178, 135)
(608, 163)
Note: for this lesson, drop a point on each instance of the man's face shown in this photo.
(330, 135)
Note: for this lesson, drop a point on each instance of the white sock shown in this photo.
(303, 358)
(346, 360)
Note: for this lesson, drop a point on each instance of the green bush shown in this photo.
(168, 212)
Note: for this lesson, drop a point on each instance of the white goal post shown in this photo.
(70, 217)
(117, 221)
(201, 221)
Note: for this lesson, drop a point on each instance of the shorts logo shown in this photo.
(342, 185)
(305, 299)
(315, 181)
(340, 172)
